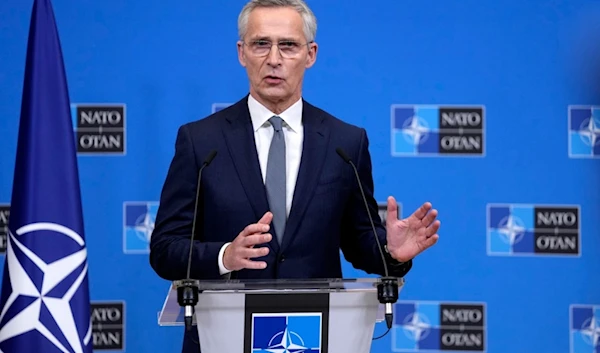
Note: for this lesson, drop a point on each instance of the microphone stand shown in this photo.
(187, 290)
(387, 288)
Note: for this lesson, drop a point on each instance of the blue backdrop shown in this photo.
(531, 67)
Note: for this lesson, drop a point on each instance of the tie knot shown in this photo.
(276, 122)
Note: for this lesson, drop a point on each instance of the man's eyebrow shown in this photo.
(283, 39)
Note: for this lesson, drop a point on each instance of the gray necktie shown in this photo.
(275, 181)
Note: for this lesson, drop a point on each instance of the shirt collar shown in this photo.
(261, 114)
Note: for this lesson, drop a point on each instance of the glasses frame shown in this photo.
(277, 44)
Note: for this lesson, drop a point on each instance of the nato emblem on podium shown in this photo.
(278, 323)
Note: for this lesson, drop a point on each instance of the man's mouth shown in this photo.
(273, 79)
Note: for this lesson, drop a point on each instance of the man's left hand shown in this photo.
(410, 236)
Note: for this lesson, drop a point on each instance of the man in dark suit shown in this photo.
(277, 201)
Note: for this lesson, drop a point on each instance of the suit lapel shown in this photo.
(239, 137)
(316, 138)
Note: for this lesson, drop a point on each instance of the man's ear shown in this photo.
(312, 54)
(241, 55)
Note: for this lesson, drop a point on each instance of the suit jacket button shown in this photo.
(281, 258)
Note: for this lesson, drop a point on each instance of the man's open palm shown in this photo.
(410, 236)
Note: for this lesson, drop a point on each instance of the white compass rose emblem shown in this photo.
(589, 131)
(415, 130)
(287, 342)
(45, 305)
(591, 331)
(416, 326)
(512, 228)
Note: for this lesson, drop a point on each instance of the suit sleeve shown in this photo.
(170, 241)
(358, 243)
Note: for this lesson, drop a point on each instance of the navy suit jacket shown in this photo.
(327, 213)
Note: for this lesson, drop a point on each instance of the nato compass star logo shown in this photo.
(584, 131)
(427, 326)
(589, 131)
(437, 130)
(287, 341)
(416, 326)
(415, 130)
(138, 219)
(532, 230)
(286, 333)
(590, 331)
(512, 229)
(45, 287)
(585, 328)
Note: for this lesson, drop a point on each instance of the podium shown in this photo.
(308, 315)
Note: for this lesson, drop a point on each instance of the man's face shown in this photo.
(276, 75)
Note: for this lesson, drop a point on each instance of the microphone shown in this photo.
(187, 291)
(387, 289)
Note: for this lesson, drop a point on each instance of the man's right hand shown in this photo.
(239, 253)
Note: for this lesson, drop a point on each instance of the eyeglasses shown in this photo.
(287, 48)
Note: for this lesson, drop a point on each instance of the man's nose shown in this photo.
(274, 57)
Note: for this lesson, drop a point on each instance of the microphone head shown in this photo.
(343, 154)
(210, 157)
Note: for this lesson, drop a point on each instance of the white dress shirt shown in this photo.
(263, 133)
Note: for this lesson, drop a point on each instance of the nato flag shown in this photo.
(45, 302)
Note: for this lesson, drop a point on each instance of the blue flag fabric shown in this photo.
(44, 302)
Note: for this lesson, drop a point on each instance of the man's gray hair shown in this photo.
(309, 19)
